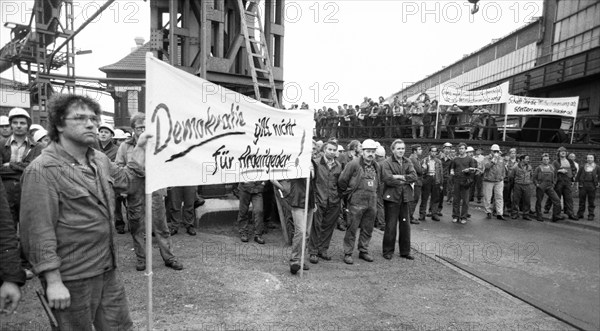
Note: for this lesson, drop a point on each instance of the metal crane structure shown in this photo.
(44, 47)
(224, 41)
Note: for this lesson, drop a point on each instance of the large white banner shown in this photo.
(450, 95)
(205, 134)
(517, 105)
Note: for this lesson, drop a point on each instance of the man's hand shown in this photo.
(58, 296)
(10, 295)
(143, 139)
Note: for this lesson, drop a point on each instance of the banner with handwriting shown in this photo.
(450, 95)
(517, 105)
(205, 134)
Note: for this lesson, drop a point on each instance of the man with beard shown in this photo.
(328, 203)
(397, 175)
(359, 183)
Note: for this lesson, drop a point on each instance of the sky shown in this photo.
(335, 52)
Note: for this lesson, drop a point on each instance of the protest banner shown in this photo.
(451, 94)
(527, 106)
(206, 134)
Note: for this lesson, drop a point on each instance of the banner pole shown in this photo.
(574, 121)
(505, 119)
(305, 226)
(149, 257)
(437, 120)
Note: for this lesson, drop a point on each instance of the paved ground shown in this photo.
(228, 285)
(555, 264)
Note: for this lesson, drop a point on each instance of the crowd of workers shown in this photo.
(63, 189)
(422, 118)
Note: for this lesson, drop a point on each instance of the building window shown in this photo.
(132, 102)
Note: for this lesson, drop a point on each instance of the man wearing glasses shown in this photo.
(136, 205)
(67, 215)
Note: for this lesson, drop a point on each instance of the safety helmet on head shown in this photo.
(107, 127)
(39, 134)
(369, 144)
(120, 134)
(18, 112)
(447, 145)
(470, 149)
(495, 147)
(340, 148)
(35, 127)
(380, 151)
(4, 120)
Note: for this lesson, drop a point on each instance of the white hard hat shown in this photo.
(340, 148)
(127, 135)
(18, 112)
(470, 149)
(108, 127)
(380, 151)
(495, 147)
(4, 120)
(369, 144)
(36, 127)
(447, 145)
(39, 134)
(119, 134)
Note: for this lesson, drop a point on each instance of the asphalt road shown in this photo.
(555, 265)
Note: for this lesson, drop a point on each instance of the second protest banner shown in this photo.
(206, 134)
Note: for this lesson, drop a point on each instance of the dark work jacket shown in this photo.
(296, 196)
(396, 190)
(10, 260)
(110, 150)
(15, 169)
(595, 175)
(569, 176)
(352, 174)
(418, 169)
(327, 183)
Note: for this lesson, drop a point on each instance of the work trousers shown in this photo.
(563, 190)
(416, 198)
(417, 125)
(181, 206)
(136, 213)
(552, 197)
(324, 223)
(587, 191)
(521, 198)
(477, 188)
(13, 196)
(97, 303)
(119, 202)
(380, 218)
(257, 212)
(444, 192)
(460, 204)
(396, 219)
(299, 226)
(495, 188)
(430, 188)
(360, 216)
(507, 192)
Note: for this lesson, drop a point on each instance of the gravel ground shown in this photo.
(229, 285)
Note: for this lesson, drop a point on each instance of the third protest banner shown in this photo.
(527, 106)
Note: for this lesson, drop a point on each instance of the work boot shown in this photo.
(140, 265)
(244, 237)
(313, 259)
(365, 256)
(259, 240)
(348, 259)
(173, 264)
